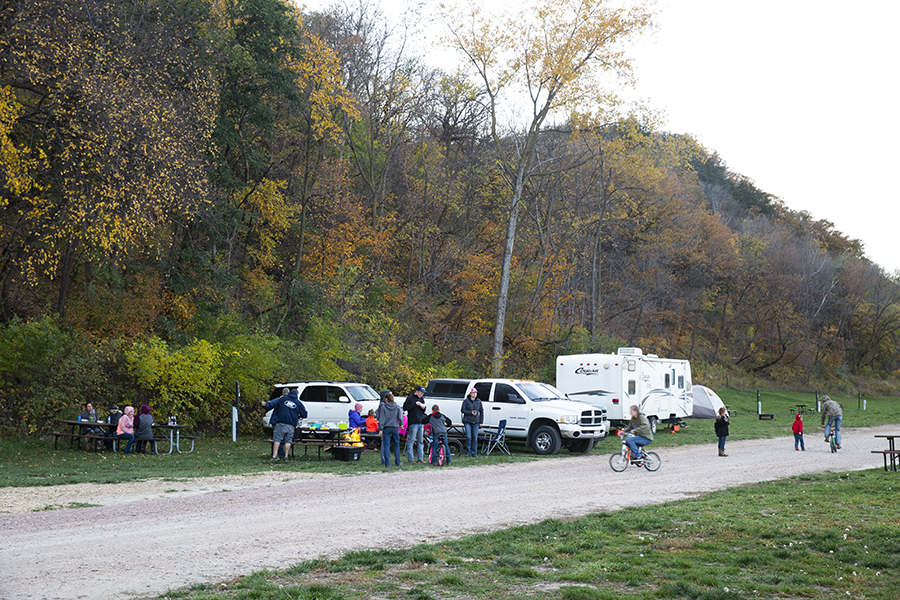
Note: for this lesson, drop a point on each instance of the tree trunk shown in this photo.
(503, 296)
(64, 279)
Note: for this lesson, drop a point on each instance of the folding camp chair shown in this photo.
(495, 439)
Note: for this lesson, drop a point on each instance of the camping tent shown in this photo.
(706, 403)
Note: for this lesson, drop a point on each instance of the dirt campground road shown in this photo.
(143, 542)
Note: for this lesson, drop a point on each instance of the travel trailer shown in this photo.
(660, 387)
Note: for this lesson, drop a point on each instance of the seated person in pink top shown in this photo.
(125, 430)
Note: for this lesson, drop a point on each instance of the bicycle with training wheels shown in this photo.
(619, 462)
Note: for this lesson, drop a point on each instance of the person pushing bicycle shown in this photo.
(639, 433)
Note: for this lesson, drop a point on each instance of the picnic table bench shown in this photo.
(891, 452)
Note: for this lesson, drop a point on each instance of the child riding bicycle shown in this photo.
(639, 433)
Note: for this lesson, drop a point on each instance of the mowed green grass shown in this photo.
(35, 461)
(828, 536)
(825, 536)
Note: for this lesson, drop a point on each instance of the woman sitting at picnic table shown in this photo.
(125, 429)
(143, 430)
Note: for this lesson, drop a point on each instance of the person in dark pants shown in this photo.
(415, 430)
(143, 430)
(721, 426)
(439, 424)
(113, 420)
(390, 417)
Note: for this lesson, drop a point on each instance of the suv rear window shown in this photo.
(449, 388)
(321, 393)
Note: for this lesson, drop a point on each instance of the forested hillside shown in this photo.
(198, 192)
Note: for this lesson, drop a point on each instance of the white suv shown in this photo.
(329, 401)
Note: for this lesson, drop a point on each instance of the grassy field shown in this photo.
(828, 536)
(35, 462)
(825, 536)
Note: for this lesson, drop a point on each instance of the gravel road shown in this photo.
(150, 537)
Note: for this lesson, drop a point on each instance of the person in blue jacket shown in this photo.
(286, 414)
(357, 421)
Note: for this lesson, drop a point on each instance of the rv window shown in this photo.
(681, 382)
(667, 381)
(631, 388)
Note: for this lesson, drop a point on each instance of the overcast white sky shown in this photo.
(799, 95)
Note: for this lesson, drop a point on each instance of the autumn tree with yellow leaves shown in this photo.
(548, 59)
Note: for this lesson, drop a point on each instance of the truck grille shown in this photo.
(593, 417)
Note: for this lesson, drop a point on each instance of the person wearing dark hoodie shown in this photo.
(143, 430)
(439, 424)
(113, 419)
(390, 417)
(286, 414)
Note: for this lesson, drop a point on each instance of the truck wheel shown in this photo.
(580, 446)
(653, 423)
(546, 440)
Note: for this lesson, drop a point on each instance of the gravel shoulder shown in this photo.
(148, 537)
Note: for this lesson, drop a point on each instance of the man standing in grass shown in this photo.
(831, 410)
(415, 430)
(286, 413)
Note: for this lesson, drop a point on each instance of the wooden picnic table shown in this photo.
(78, 432)
(891, 452)
(172, 434)
(316, 437)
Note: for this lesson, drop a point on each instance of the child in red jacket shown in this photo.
(797, 428)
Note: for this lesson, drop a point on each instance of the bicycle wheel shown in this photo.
(651, 461)
(618, 462)
(832, 443)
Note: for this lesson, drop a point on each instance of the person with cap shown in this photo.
(472, 418)
(355, 418)
(414, 405)
(113, 419)
(832, 411)
(286, 414)
(390, 417)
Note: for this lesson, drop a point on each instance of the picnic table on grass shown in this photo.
(891, 452)
(81, 430)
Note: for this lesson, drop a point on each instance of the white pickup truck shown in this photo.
(536, 412)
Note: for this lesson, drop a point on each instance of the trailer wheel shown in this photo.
(456, 447)
(653, 422)
(546, 440)
(580, 446)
